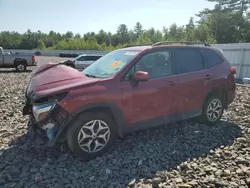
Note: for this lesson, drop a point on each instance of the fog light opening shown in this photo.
(51, 133)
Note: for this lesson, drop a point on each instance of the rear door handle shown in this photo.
(208, 77)
(171, 83)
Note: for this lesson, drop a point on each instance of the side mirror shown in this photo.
(141, 76)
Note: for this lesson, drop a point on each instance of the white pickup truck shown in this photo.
(17, 61)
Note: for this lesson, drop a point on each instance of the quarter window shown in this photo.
(212, 59)
(188, 60)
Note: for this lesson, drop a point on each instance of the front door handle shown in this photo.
(171, 83)
(208, 77)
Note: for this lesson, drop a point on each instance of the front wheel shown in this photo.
(212, 110)
(91, 135)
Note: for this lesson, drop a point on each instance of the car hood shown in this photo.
(55, 78)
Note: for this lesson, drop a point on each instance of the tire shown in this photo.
(211, 103)
(74, 134)
(21, 67)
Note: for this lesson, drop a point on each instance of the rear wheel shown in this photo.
(212, 110)
(91, 135)
(21, 66)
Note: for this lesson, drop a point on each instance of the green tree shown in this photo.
(122, 32)
(40, 45)
(138, 29)
(143, 39)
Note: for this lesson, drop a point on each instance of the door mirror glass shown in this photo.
(141, 76)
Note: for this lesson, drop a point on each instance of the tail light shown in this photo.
(233, 74)
(233, 70)
(33, 58)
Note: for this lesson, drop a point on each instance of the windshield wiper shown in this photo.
(91, 76)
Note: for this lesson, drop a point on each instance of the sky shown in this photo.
(82, 16)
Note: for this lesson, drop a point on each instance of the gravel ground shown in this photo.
(186, 154)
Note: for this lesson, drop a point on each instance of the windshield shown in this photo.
(108, 65)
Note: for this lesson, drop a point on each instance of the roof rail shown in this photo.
(134, 45)
(180, 42)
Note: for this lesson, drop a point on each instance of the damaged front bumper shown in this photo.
(49, 118)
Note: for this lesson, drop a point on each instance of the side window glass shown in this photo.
(96, 57)
(82, 58)
(212, 59)
(157, 64)
(92, 58)
(188, 60)
(88, 58)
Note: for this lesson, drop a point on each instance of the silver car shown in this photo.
(82, 61)
(16, 60)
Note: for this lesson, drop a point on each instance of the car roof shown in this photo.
(90, 55)
(140, 48)
(144, 47)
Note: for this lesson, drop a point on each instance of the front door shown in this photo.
(152, 102)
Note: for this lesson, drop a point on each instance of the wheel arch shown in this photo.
(110, 109)
(218, 91)
(19, 60)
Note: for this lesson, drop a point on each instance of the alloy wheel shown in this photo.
(214, 110)
(21, 67)
(93, 136)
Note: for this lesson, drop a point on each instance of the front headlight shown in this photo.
(41, 111)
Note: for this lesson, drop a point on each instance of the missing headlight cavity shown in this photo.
(57, 97)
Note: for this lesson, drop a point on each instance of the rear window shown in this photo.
(211, 58)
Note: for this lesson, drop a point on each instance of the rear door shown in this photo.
(216, 67)
(150, 102)
(193, 80)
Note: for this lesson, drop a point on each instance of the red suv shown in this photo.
(126, 90)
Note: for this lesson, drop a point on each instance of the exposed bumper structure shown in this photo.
(48, 117)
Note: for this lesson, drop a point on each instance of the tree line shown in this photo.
(227, 22)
